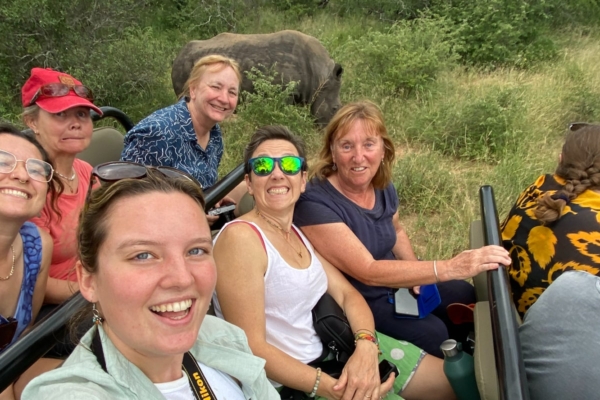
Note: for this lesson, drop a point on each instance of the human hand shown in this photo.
(211, 219)
(416, 290)
(472, 262)
(360, 376)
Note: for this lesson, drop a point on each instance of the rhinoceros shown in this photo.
(294, 56)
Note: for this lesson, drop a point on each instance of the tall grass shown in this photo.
(457, 125)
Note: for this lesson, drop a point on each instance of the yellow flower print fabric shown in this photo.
(541, 253)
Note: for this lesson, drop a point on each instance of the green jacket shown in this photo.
(219, 345)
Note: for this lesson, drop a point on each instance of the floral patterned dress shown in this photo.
(540, 253)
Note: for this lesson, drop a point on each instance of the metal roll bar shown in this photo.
(113, 113)
(505, 329)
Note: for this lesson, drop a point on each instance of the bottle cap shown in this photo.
(450, 348)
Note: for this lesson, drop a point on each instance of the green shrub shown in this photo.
(387, 10)
(405, 58)
(499, 32)
(269, 105)
(474, 125)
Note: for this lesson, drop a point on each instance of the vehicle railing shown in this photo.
(113, 113)
(505, 328)
(17, 358)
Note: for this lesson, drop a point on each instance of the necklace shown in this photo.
(285, 233)
(12, 269)
(71, 179)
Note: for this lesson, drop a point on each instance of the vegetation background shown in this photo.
(474, 92)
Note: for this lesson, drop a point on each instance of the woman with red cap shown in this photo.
(57, 109)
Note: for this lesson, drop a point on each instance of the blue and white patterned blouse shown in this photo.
(167, 138)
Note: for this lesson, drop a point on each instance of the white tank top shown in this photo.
(290, 295)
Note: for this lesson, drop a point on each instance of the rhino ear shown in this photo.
(337, 71)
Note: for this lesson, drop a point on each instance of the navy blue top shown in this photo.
(322, 203)
(167, 138)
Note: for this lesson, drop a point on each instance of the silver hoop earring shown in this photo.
(334, 168)
(96, 318)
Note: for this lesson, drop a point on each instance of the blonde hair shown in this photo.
(202, 65)
(340, 124)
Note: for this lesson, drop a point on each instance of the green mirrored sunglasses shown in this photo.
(289, 165)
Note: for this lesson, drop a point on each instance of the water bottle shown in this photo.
(460, 371)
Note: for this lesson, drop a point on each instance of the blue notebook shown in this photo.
(416, 307)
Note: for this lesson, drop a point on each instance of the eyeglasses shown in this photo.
(117, 170)
(37, 170)
(289, 165)
(60, 89)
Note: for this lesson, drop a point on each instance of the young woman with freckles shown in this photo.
(284, 277)
(149, 274)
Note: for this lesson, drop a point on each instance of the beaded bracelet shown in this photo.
(367, 336)
(314, 391)
(364, 330)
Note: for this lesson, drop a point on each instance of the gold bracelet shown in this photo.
(437, 278)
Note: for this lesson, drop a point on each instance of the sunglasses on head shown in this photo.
(37, 170)
(114, 171)
(289, 165)
(61, 89)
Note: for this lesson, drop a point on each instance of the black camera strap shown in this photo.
(197, 380)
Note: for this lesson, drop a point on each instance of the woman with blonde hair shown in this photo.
(187, 135)
(350, 212)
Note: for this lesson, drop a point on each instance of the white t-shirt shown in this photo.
(223, 385)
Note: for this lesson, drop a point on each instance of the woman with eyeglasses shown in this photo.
(271, 277)
(187, 135)
(57, 109)
(148, 272)
(25, 250)
(351, 212)
(554, 225)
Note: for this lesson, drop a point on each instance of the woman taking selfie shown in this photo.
(284, 277)
(148, 272)
(56, 107)
(25, 250)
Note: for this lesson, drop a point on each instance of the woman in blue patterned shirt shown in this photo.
(187, 135)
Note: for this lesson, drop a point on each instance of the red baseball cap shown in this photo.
(43, 76)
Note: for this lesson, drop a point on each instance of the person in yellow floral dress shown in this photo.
(555, 224)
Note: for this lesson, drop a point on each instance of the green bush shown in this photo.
(499, 32)
(269, 105)
(385, 10)
(405, 58)
(473, 125)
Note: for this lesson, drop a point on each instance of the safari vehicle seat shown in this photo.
(106, 145)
